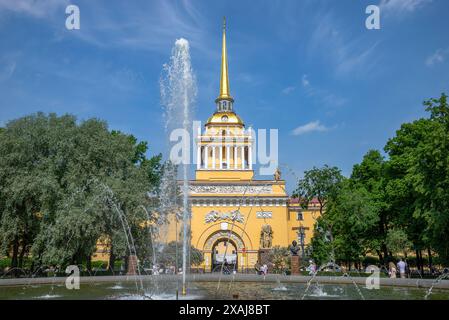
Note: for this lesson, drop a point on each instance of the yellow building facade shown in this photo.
(233, 215)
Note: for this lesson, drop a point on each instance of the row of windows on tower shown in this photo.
(224, 106)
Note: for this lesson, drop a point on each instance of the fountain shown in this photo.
(178, 92)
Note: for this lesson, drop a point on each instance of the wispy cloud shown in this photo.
(305, 82)
(438, 56)
(314, 126)
(288, 90)
(7, 71)
(347, 53)
(134, 28)
(400, 7)
(38, 9)
(325, 97)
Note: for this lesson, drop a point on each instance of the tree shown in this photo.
(398, 242)
(64, 185)
(401, 191)
(370, 175)
(167, 256)
(353, 217)
(322, 184)
(419, 168)
(431, 173)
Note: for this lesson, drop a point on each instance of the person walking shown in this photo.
(311, 268)
(402, 266)
(392, 270)
(264, 269)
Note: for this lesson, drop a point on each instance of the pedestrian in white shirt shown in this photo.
(402, 266)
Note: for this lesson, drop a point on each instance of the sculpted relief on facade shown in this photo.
(230, 189)
(215, 216)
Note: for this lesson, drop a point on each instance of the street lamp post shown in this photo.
(301, 234)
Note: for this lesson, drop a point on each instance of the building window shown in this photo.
(264, 214)
(299, 216)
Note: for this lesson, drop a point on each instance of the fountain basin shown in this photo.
(214, 286)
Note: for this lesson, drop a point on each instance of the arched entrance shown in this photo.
(221, 245)
(224, 253)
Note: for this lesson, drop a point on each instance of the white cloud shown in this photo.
(346, 53)
(314, 126)
(38, 9)
(135, 28)
(7, 71)
(438, 57)
(401, 6)
(288, 90)
(305, 81)
(324, 96)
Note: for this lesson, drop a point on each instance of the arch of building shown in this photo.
(214, 232)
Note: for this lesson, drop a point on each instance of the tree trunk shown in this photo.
(126, 263)
(419, 261)
(385, 253)
(111, 263)
(380, 256)
(15, 252)
(89, 263)
(429, 253)
(22, 254)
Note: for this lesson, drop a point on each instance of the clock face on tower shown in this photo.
(224, 118)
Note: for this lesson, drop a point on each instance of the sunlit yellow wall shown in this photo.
(309, 218)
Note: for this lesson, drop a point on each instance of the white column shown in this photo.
(198, 157)
(243, 157)
(213, 157)
(250, 157)
(228, 157)
(206, 156)
(221, 157)
(235, 157)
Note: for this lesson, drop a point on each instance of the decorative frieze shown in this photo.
(230, 189)
(215, 216)
(239, 202)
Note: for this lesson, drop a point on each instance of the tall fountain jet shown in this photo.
(178, 92)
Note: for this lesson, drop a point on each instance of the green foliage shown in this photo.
(65, 184)
(320, 183)
(419, 170)
(323, 184)
(4, 263)
(280, 258)
(167, 256)
(389, 206)
(398, 242)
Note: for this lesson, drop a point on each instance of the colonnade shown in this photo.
(223, 152)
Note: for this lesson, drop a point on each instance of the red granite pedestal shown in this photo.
(295, 262)
(132, 265)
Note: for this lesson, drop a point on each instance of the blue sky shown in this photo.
(308, 68)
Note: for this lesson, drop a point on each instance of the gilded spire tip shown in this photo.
(224, 77)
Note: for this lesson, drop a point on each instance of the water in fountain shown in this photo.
(178, 92)
(437, 281)
(334, 267)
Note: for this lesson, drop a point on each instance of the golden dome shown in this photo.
(224, 118)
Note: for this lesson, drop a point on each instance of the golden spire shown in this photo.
(224, 77)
